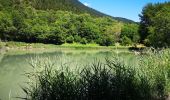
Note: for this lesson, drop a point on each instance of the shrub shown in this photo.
(70, 39)
(77, 39)
(106, 40)
(126, 41)
(83, 41)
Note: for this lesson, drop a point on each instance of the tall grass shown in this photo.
(113, 80)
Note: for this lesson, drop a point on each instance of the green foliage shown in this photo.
(36, 21)
(89, 31)
(154, 25)
(83, 41)
(74, 6)
(6, 25)
(70, 39)
(58, 27)
(77, 39)
(147, 80)
(126, 41)
(129, 34)
(106, 40)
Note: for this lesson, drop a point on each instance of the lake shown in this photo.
(13, 66)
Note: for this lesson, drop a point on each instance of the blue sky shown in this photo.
(120, 8)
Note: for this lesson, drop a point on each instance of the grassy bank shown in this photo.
(23, 45)
(20, 48)
(148, 79)
(13, 48)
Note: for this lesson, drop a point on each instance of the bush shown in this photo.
(83, 41)
(70, 39)
(106, 40)
(126, 41)
(77, 39)
(130, 31)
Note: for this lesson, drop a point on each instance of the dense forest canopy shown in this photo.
(24, 22)
(69, 21)
(155, 25)
(74, 6)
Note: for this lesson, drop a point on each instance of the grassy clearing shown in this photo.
(14, 48)
(22, 45)
(148, 79)
(93, 46)
(19, 48)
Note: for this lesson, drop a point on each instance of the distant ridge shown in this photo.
(66, 5)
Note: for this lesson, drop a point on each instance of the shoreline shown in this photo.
(23, 48)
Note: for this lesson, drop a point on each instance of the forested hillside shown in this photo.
(22, 20)
(74, 6)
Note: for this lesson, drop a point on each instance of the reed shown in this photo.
(112, 80)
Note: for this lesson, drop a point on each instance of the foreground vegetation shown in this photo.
(148, 79)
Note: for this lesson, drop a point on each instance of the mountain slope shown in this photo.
(67, 5)
(71, 5)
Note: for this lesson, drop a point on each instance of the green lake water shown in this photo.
(13, 66)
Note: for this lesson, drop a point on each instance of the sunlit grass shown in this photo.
(80, 45)
(41, 45)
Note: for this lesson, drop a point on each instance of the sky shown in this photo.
(129, 9)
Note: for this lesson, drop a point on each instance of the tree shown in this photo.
(129, 34)
(89, 31)
(70, 39)
(106, 40)
(155, 23)
(126, 41)
(6, 26)
(27, 24)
